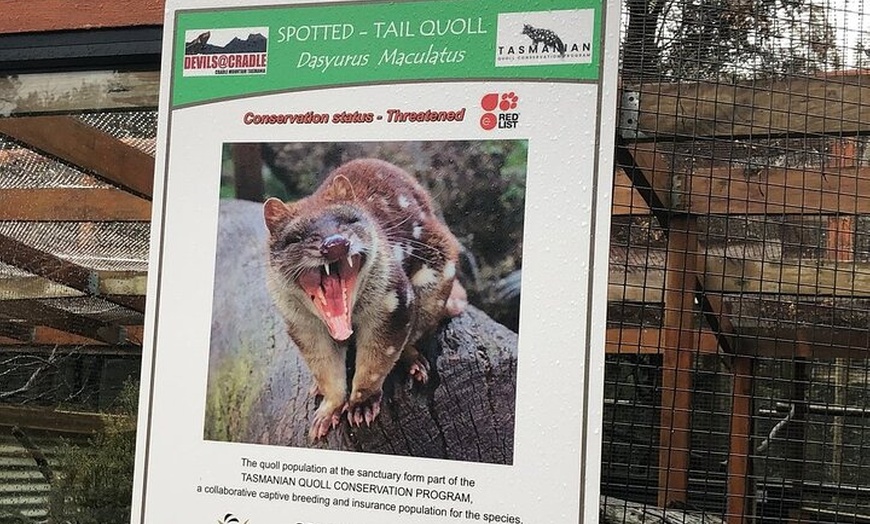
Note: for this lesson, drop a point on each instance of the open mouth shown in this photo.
(330, 288)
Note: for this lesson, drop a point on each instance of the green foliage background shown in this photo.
(94, 482)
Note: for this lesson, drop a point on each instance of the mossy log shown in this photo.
(259, 387)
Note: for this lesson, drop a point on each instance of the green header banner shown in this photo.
(231, 53)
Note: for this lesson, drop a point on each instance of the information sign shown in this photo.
(379, 262)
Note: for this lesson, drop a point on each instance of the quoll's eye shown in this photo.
(288, 240)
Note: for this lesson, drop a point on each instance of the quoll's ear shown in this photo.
(274, 212)
(340, 189)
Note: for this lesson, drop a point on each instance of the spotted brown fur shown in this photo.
(364, 257)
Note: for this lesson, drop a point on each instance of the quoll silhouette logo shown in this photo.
(559, 37)
(548, 38)
(499, 107)
(229, 518)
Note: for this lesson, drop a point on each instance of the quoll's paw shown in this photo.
(326, 418)
(364, 410)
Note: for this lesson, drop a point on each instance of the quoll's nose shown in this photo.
(334, 247)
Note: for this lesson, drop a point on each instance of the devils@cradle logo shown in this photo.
(499, 109)
(237, 51)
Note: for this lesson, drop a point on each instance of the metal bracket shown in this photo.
(93, 283)
(629, 114)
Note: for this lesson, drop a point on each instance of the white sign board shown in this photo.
(379, 263)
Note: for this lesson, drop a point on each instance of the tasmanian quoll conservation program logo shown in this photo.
(239, 51)
(499, 111)
(545, 37)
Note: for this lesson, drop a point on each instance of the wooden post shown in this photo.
(840, 238)
(677, 360)
(795, 431)
(737, 508)
(840, 248)
(248, 164)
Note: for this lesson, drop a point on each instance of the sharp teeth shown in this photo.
(326, 268)
(350, 261)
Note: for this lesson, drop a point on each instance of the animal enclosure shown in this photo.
(739, 319)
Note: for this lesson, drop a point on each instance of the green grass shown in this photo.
(232, 392)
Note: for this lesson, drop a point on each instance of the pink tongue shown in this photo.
(335, 309)
(339, 328)
(334, 295)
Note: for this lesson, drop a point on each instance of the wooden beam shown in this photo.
(33, 260)
(652, 341)
(676, 402)
(31, 287)
(77, 91)
(636, 285)
(124, 350)
(135, 334)
(642, 181)
(72, 205)
(794, 106)
(626, 199)
(16, 330)
(818, 342)
(48, 15)
(133, 283)
(643, 280)
(840, 246)
(788, 277)
(740, 442)
(126, 288)
(51, 419)
(840, 238)
(717, 313)
(134, 302)
(777, 191)
(812, 342)
(105, 284)
(73, 141)
(44, 336)
(38, 313)
(656, 168)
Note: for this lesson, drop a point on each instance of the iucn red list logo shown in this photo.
(499, 111)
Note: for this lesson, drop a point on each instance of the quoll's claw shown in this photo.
(364, 412)
(419, 370)
(373, 413)
(351, 417)
(325, 419)
(319, 429)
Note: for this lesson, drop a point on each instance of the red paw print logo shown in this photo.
(508, 101)
(496, 101)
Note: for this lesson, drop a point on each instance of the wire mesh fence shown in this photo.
(739, 320)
